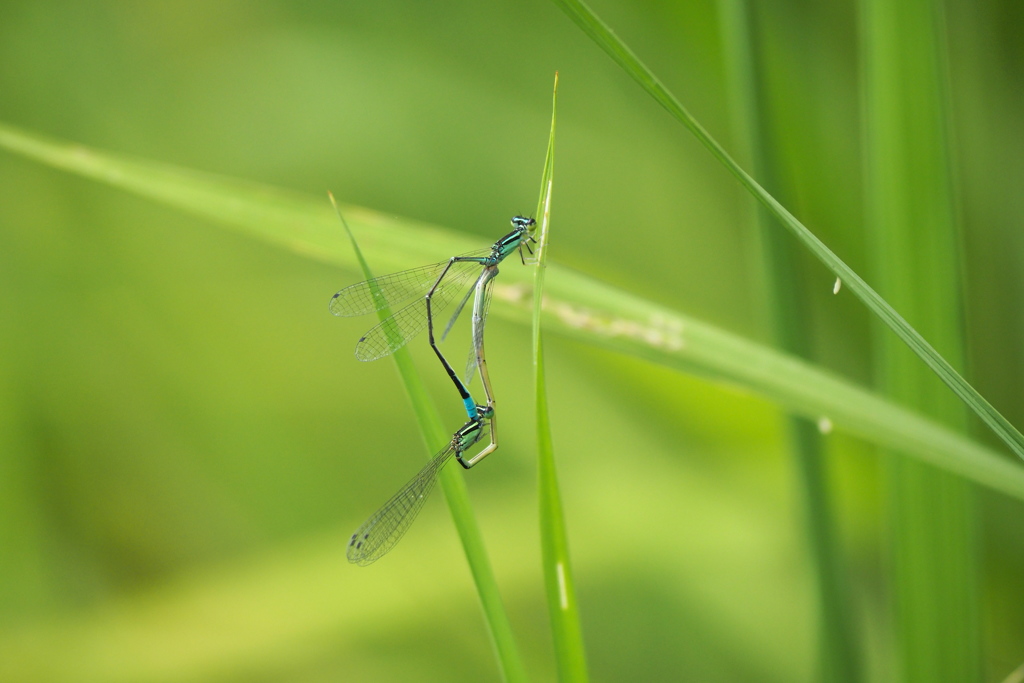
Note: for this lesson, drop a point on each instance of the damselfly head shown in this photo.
(522, 222)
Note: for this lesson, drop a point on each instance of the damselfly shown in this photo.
(422, 293)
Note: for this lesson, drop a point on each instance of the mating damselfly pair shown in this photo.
(420, 296)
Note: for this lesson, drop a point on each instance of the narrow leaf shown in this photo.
(454, 486)
(558, 578)
(601, 34)
(574, 304)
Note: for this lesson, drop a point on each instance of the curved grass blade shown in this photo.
(455, 493)
(563, 609)
(601, 34)
(575, 305)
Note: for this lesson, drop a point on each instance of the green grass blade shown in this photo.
(915, 250)
(429, 420)
(592, 25)
(558, 577)
(575, 304)
(1016, 676)
(786, 308)
(454, 486)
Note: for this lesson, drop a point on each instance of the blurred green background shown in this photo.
(186, 440)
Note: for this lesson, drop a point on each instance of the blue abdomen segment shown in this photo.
(470, 406)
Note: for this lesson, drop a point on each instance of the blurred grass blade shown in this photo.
(785, 306)
(574, 304)
(601, 34)
(434, 436)
(916, 252)
(558, 578)
(1016, 676)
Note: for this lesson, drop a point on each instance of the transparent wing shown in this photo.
(394, 332)
(456, 313)
(392, 290)
(467, 376)
(478, 331)
(480, 322)
(385, 528)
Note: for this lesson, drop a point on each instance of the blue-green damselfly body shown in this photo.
(437, 285)
(385, 528)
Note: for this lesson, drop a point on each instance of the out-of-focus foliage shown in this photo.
(186, 440)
